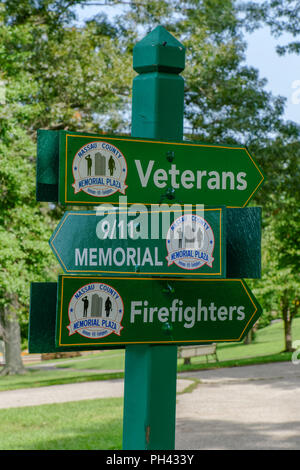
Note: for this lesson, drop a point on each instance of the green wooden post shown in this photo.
(150, 371)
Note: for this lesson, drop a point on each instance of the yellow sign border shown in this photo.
(153, 142)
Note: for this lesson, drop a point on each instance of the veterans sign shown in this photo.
(97, 168)
(118, 311)
(153, 242)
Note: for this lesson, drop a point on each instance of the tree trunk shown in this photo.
(12, 340)
(288, 334)
(287, 318)
(249, 337)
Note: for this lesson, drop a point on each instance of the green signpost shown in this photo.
(148, 278)
(184, 244)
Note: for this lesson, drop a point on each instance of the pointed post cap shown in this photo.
(159, 51)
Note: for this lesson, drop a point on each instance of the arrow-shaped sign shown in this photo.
(118, 311)
(150, 242)
(97, 169)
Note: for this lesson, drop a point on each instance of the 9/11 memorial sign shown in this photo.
(157, 242)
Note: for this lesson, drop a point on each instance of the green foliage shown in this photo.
(55, 76)
(64, 76)
(282, 16)
(279, 287)
(24, 226)
(225, 100)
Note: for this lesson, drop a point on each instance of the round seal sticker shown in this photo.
(99, 169)
(190, 242)
(95, 311)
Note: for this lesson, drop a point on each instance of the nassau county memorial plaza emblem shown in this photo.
(99, 169)
(190, 242)
(95, 311)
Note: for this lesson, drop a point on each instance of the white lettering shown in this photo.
(214, 180)
(131, 256)
(123, 257)
(188, 179)
(144, 178)
(156, 260)
(160, 177)
(174, 172)
(200, 174)
(147, 258)
(133, 311)
(222, 313)
(105, 259)
(241, 313)
(81, 260)
(242, 183)
(225, 176)
(163, 314)
(93, 257)
(189, 315)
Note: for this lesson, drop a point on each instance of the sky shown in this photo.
(281, 72)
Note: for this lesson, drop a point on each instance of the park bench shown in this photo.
(187, 352)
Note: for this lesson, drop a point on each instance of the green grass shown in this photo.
(267, 347)
(80, 369)
(104, 360)
(269, 340)
(83, 425)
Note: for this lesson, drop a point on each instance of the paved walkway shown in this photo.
(69, 392)
(252, 407)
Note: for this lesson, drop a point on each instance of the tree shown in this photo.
(280, 285)
(24, 235)
(226, 100)
(279, 288)
(281, 281)
(55, 76)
